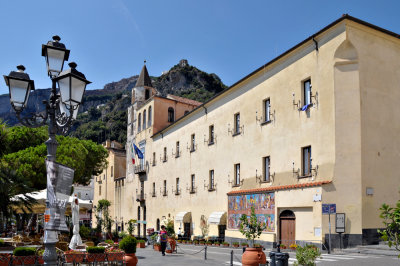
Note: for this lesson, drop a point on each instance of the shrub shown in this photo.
(208, 242)
(109, 241)
(96, 250)
(225, 243)
(122, 234)
(257, 245)
(23, 251)
(235, 243)
(307, 255)
(244, 244)
(141, 241)
(128, 244)
(84, 232)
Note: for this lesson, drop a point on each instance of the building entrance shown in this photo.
(186, 229)
(287, 228)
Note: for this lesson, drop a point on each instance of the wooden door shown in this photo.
(287, 229)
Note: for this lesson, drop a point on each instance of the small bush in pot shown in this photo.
(128, 244)
(307, 255)
(24, 256)
(244, 244)
(95, 254)
(235, 244)
(226, 244)
(141, 243)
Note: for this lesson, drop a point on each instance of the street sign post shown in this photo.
(329, 209)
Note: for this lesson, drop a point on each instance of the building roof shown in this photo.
(184, 100)
(284, 187)
(144, 78)
(311, 38)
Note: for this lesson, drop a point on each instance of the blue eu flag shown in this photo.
(138, 152)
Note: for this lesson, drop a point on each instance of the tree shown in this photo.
(391, 220)
(26, 153)
(250, 227)
(104, 221)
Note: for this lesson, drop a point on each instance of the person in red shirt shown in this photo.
(163, 239)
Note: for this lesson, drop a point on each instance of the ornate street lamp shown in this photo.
(61, 110)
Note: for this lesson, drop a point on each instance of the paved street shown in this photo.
(194, 256)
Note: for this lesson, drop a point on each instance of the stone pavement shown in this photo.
(381, 249)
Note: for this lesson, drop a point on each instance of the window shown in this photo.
(211, 134)
(122, 182)
(99, 190)
(154, 158)
(186, 112)
(306, 161)
(139, 122)
(144, 119)
(147, 94)
(165, 188)
(149, 122)
(177, 192)
(193, 143)
(192, 184)
(267, 110)
(237, 124)
(154, 189)
(177, 150)
(112, 171)
(237, 174)
(307, 92)
(211, 182)
(171, 115)
(165, 154)
(266, 167)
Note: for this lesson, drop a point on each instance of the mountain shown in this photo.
(103, 112)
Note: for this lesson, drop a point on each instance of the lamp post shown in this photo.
(61, 110)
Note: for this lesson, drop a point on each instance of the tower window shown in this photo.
(139, 122)
(171, 114)
(147, 94)
(144, 119)
(149, 122)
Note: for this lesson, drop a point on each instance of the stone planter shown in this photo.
(5, 259)
(74, 257)
(24, 260)
(130, 259)
(115, 256)
(96, 257)
(253, 257)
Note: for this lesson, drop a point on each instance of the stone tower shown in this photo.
(142, 91)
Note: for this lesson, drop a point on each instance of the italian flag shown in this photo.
(132, 154)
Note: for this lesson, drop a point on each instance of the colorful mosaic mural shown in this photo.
(264, 205)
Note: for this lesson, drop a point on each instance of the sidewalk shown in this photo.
(381, 249)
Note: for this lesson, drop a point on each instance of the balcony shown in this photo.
(140, 197)
(140, 169)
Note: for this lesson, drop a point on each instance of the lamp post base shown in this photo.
(50, 254)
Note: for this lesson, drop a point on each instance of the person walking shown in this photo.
(163, 239)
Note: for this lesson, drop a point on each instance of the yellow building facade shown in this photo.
(108, 185)
(315, 127)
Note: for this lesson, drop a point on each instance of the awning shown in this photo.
(183, 217)
(217, 218)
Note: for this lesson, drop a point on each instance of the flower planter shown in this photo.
(253, 257)
(96, 257)
(157, 247)
(5, 259)
(40, 260)
(24, 260)
(169, 251)
(74, 257)
(115, 256)
(172, 243)
(130, 259)
(235, 246)
(226, 245)
(217, 245)
(141, 245)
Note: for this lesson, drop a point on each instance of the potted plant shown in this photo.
(226, 244)
(196, 242)
(40, 259)
(157, 246)
(257, 246)
(73, 256)
(24, 256)
(171, 234)
(282, 246)
(235, 244)
(115, 254)
(128, 244)
(141, 243)
(95, 254)
(293, 246)
(202, 242)
(216, 243)
(251, 229)
(131, 226)
(307, 255)
(244, 244)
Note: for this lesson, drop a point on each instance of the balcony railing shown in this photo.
(139, 169)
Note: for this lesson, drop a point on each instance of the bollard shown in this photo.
(232, 257)
(272, 257)
(282, 259)
(205, 253)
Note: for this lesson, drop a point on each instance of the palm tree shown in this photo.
(13, 184)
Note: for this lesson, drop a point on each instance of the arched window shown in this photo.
(139, 122)
(171, 115)
(149, 122)
(144, 119)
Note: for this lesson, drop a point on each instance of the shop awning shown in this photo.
(217, 218)
(182, 217)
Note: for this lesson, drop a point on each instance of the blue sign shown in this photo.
(328, 208)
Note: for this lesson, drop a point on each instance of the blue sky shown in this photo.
(110, 39)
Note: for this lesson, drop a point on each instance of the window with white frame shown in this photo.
(237, 123)
(266, 168)
(306, 161)
(267, 110)
(211, 182)
(307, 92)
(237, 174)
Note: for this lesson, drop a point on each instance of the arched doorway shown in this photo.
(158, 225)
(287, 228)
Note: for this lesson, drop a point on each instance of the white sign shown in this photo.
(317, 231)
(340, 222)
